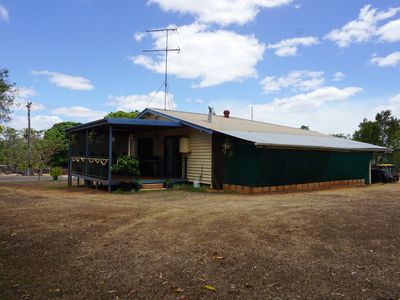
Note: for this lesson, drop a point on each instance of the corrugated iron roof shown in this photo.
(266, 139)
(267, 134)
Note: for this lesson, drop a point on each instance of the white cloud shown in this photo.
(22, 96)
(393, 105)
(38, 122)
(289, 47)
(67, 81)
(4, 15)
(365, 27)
(79, 112)
(338, 76)
(390, 32)
(223, 12)
(140, 102)
(139, 36)
(391, 60)
(324, 119)
(24, 93)
(212, 57)
(21, 106)
(312, 100)
(295, 81)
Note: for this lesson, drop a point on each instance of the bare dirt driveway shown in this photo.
(83, 244)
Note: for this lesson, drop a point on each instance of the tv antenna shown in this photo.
(166, 50)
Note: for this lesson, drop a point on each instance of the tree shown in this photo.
(13, 149)
(305, 127)
(383, 131)
(122, 114)
(56, 140)
(7, 95)
(342, 135)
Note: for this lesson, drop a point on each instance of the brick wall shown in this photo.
(294, 187)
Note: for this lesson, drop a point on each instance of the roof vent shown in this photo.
(226, 113)
(210, 113)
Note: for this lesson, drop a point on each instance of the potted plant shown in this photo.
(128, 167)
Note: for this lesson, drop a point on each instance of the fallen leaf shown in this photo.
(178, 290)
(13, 234)
(218, 257)
(210, 288)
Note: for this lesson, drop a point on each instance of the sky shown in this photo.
(325, 64)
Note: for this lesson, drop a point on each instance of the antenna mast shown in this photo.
(166, 50)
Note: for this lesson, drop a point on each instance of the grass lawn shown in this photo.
(86, 244)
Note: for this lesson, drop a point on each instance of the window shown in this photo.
(132, 146)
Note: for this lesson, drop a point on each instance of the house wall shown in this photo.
(257, 167)
(198, 160)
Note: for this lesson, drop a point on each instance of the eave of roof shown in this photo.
(127, 122)
(166, 115)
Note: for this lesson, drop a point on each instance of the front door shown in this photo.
(172, 157)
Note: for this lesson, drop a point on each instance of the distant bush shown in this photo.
(55, 172)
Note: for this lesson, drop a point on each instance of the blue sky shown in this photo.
(326, 64)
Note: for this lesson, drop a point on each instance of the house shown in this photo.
(220, 151)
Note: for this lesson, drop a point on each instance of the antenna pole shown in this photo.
(28, 106)
(166, 70)
(166, 50)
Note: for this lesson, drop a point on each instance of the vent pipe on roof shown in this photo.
(210, 113)
(226, 113)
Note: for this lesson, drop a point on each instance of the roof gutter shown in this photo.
(282, 146)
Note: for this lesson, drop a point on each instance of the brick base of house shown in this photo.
(303, 187)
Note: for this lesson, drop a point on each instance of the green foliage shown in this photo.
(122, 114)
(342, 135)
(190, 188)
(55, 172)
(45, 148)
(126, 165)
(13, 149)
(137, 185)
(383, 131)
(58, 140)
(305, 127)
(7, 96)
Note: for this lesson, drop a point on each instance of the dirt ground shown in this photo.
(85, 244)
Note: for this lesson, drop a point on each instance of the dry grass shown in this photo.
(81, 244)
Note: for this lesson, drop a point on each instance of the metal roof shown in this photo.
(282, 140)
(264, 134)
(127, 122)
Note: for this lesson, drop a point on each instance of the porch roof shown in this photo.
(122, 122)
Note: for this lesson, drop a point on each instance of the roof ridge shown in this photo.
(230, 117)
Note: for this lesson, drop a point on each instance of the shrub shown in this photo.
(126, 165)
(137, 185)
(55, 172)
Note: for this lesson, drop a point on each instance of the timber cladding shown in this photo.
(199, 158)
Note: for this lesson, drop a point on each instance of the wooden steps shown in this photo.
(152, 186)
